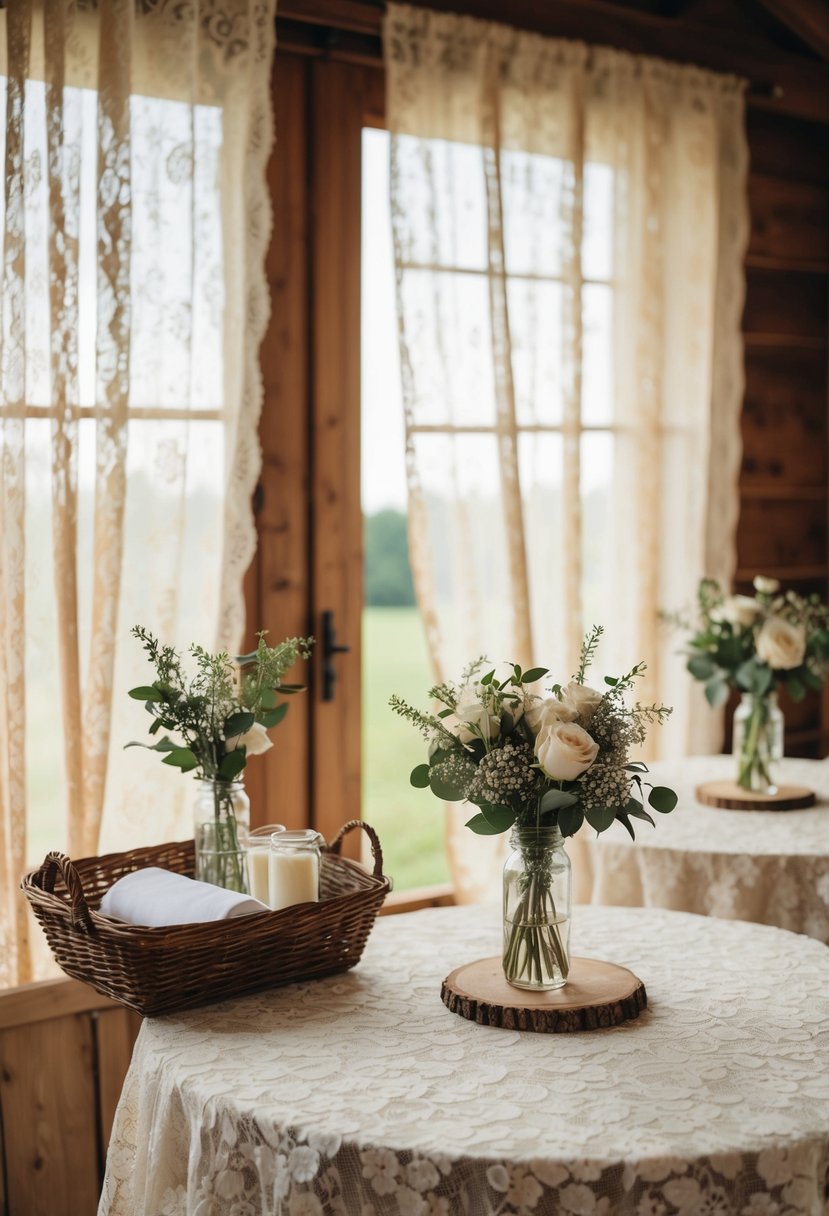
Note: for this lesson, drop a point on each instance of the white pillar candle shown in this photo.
(294, 877)
(258, 872)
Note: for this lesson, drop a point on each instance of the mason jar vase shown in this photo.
(537, 899)
(758, 742)
(221, 821)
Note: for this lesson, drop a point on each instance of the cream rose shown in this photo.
(582, 700)
(766, 586)
(543, 712)
(565, 750)
(780, 644)
(255, 741)
(740, 611)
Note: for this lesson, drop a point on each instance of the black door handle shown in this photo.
(330, 647)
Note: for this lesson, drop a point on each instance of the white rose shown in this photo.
(543, 712)
(767, 586)
(780, 644)
(565, 750)
(582, 700)
(741, 611)
(472, 714)
(255, 741)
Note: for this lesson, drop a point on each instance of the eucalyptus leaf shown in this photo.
(716, 692)
(232, 764)
(420, 777)
(180, 757)
(535, 673)
(272, 717)
(662, 799)
(600, 817)
(570, 819)
(482, 827)
(236, 724)
(812, 680)
(701, 666)
(499, 817)
(143, 693)
(444, 789)
(795, 689)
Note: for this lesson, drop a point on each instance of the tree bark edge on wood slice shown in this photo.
(597, 996)
(729, 796)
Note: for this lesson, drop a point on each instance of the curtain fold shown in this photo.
(135, 218)
(569, 225)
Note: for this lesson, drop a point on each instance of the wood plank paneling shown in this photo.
(786, 304)
(787, 147)
(784, 417)
(115, 1033)
(48, 999)
(772, 536)
(789, 219)
(48, 1102)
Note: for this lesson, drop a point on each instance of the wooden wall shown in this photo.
(64, 1053)
(783, 484)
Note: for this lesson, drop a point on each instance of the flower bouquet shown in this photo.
(541, 764)
(756, 644)
(221, 716)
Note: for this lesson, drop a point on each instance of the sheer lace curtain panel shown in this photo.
(132, 301)
(569, 225)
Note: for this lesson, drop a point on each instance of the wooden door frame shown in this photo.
(308, 513)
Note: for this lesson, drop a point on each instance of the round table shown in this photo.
(361, 1095)
(771, 867)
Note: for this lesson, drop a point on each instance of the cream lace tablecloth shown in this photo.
(771, 867)
(362, 1095)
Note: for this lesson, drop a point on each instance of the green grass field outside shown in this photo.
(409, 821)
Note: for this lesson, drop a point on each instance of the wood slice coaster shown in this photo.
(732, 797)
(596, 995)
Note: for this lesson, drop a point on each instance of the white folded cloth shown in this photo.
(159, 897)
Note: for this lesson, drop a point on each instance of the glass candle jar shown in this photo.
(258, 848)
(294, 868)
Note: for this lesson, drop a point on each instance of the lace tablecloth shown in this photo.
(361, 1095)
(771, 867)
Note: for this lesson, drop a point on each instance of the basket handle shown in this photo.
(376, 849)
(45, 879)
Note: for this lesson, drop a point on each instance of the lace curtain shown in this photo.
(569, 225)
(132, 301)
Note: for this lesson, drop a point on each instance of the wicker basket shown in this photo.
(157, 971)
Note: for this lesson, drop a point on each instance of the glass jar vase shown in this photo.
(758, 741)
(221, 819)
(537, 882)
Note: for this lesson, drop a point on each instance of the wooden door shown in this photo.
(308, 568)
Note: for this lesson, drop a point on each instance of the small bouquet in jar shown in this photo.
(539, 763)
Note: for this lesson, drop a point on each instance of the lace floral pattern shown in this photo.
(764, 866)
(571, 360)
(132, 304)
(361, 1095)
